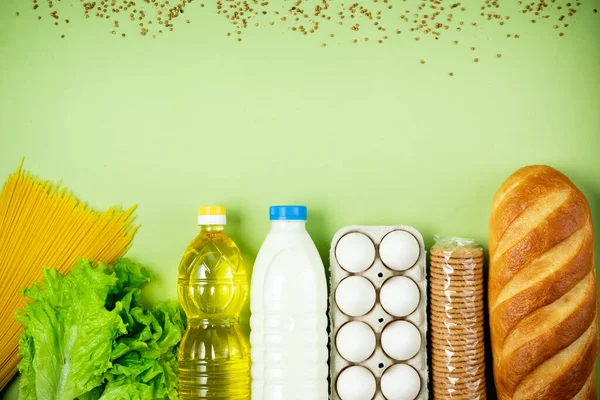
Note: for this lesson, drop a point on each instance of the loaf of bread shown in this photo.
(542, 293)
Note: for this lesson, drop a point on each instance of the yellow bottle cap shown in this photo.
(211, 215)
(211, 210)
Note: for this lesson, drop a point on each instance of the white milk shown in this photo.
(289, 313)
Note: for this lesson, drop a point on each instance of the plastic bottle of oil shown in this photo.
(214, 357)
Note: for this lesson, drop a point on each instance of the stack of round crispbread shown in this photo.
(457, 324)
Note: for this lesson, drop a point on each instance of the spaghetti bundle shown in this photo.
(42, 224)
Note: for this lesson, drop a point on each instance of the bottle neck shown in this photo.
(212, 228)
(288, 226)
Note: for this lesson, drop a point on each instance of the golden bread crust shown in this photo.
(542, 291)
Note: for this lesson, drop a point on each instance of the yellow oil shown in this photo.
(214, 356)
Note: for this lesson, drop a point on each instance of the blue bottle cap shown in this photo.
(287, 213)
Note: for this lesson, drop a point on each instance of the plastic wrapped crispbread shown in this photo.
(457, 319)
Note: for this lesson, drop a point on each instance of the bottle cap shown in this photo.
(287, 213)
(211, 215)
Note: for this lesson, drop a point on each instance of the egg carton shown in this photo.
(377, 318)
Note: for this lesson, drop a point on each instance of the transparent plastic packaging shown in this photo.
(456, 319)
(214, 356)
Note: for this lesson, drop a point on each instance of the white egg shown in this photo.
(399, 250)
(356, 383)
(355, 252)
(399, 296)
(401, 340)
(355, 341)
(355, 296)
(400, 382)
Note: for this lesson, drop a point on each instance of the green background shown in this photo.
(360, 133)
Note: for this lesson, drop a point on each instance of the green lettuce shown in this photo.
(88, 335)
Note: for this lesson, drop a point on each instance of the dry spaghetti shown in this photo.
(42, 224)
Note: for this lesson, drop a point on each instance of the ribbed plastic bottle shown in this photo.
(289, 313)
(214, 358)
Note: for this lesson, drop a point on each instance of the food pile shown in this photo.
(87, 333)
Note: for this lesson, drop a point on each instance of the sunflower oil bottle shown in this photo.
(214, 356)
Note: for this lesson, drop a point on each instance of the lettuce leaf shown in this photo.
(67, 333)
(88, 335)
(143, 360)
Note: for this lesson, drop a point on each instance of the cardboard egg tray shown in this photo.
(378, 318)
